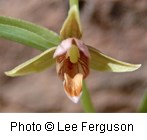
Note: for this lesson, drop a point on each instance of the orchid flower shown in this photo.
(73, 58)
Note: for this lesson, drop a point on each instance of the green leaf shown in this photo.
(36, 64)
(72, 25)
(143, 105)
(102, 62)
(44, 32)
(24, 37)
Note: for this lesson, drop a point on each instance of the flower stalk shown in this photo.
(86, 100)
(74, 2)
(143, 105)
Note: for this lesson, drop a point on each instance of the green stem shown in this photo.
(74, 2)
(86, 101)
(143, 105)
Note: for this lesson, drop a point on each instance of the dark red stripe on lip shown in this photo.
(64, 65)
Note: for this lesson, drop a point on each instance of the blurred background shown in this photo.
(118, 28)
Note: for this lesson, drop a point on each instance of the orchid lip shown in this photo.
(75, 99)
(73, 86)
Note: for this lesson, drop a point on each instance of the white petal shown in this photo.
(63, 47)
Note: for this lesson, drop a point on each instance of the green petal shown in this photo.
(102, 62)
(36, 64)
(71, 26)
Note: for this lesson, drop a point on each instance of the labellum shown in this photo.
(72, 64)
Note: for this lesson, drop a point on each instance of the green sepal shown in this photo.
(72, 25)
(36, 64)
(101, 62)
(49, 35)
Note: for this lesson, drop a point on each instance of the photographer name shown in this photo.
(61, 127)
